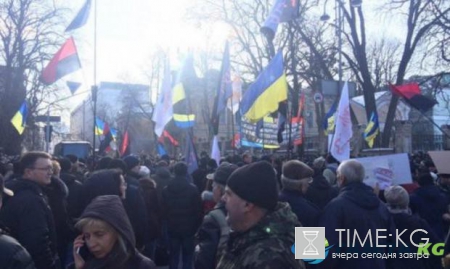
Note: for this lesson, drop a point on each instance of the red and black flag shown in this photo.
(104, 144)
(413, 96)
(125, 147)
(64, 62)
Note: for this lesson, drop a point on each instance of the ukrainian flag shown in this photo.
(99, 126)
(182, 115)
(265, 94)
(20, 118)
(329, 120)
(372, 129)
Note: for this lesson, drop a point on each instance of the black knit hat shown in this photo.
(255, 183)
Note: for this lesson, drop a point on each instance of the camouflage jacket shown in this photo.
(267, 245)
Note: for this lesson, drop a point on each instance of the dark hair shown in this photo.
(180, 169)
(29, 159)
(72, 158)
(118, 163)
(103, 163)
(102, 182)
(65, 164)
(425, 179)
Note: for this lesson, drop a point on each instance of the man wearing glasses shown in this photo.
(27, 213)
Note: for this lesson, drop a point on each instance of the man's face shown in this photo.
(41, 172)
(236, 207)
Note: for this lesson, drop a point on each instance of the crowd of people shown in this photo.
(130, 212)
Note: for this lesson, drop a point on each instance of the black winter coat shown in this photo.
(359, 210)
(320, 192)
(13, 255)
(28, 217)
(208, 238)
(182, 207)
(74, 200)
(430, 204)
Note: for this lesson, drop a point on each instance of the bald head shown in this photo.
(350, 171)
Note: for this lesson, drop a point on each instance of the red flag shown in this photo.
(104, 144)
(413, 96)
(301, 104)
(64, 62)
(125, 144)
(167, 135)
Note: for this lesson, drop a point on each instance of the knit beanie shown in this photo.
(295, 169)
(131, 161)
(223, 172)
(255, 183)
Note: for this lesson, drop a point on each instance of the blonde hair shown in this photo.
(56, 167)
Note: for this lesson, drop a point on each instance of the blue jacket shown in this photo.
(356, 209)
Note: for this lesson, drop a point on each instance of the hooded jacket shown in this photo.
(358, 210)
(74, 200)
(28, 217)
(109, 209)
(320, 192)
(265, 245)
(430, 204)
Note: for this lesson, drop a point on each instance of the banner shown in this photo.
(267, 135)
(386, 170)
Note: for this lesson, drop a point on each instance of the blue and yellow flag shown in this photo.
(99, 126)
(265, 94)
(372, 129)
(182, 114)
(329, 120)
(20, 118)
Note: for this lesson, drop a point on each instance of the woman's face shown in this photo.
(99, 240)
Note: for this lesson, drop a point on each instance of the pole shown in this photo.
(94, 87)
(47, 131)
(339, 16)
(232, 126)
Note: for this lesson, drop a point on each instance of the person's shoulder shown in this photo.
(143, 262)
(268, 254)
(12, 252)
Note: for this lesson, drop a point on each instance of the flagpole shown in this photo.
(94, 87)
(232, 125)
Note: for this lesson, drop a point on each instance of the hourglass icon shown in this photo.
(310, 249)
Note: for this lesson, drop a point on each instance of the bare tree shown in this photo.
(28, 37)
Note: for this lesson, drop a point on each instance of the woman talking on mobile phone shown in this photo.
(107, 240)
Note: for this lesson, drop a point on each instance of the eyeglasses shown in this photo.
(48, 169)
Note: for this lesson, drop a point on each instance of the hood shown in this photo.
(109, 208)
(429, 193)
(279, 224)
(360, 194)
(67, 178)
(320, 182)
(20, 184)
(147, 184)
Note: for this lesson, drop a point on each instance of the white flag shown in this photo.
(163, 109)
(215, 151)
(233, 102)
(340, 148)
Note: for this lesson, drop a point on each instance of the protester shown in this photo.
(397, 199)
(153, 206)
(108, 236)
(358, 210)
(74, 204)
(295, 179)
(12, 254)
(214, 231)
(182, 208)
(430, 204)
(263, 230)
(320, 192)
(27, 214)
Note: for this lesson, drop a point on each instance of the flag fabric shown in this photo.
(99, 126)
(73, 86)
(372, 129)
(190, 155)
(163, 109)
(167, 135)
(224, 91)
(282, 11)
(182, 114)
(413, 96)
(301, 105)
(215, 150)
(64, 62)
(265, 94)
(236, 142)
(340, 148)
(125, 147)
(113, 133)
(282, 118)
(161, 150)
(20, 118)
(328, 122)
(81, 17)
(233, 102)
(105, 143)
